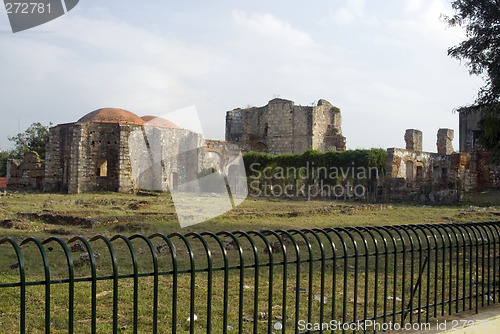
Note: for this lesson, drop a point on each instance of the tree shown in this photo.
(481, 53)
(4, 155)
(35, 138)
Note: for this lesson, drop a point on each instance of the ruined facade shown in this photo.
(115, 150)
(220, 154)
(27, 172)
(469, 128)
(282, 127)
(412, 174)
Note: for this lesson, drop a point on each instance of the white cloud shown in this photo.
(99, 62)
(413, 5)
(348, 13)
(425, 26)
(269, 26)
(352, 12)
(386, 72)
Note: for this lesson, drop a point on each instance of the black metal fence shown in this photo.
(295, 281)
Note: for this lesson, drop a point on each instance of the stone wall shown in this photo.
(165, 158)
(412, 174)
(99, 156)
(445, 141)
(413, 140)
(482, 173)
(27, 172)
(220, 155)
(282, 127)
(58, 158)
(122, 154)
(327, 131)
(468, 128)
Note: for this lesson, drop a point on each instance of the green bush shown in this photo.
(315, 160)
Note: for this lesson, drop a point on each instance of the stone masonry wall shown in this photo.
(413, 139)
(220, 154)
(468, 128)
(327, 131)
(282, 127)
(27, 172)
(444, 141)
(97, 157)
(58, 158)
(436, 177)
(160, 158)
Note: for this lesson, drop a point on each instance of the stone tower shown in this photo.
(282, 127)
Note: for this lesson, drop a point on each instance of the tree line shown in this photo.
(35, 138)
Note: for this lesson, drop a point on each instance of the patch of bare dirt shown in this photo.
(60, 219)
(59, 231)
(131, 227)
(18, 224)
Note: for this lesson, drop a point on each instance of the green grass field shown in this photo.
(129, 213)
(42, 215)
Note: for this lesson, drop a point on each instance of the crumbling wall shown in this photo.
(95, 154)
(98, 156)
(412, 174)
(327, 130)
(468, 128)
(279, 127)
(413, 139)
(282, 127)
(161, 158)
(27, 172)
(220, 155)
(58, 158)
(445, 141)
(482, 174)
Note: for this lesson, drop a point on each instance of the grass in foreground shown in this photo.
(130, 214)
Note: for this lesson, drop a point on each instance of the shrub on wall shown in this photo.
(338, 171)
(342, 160)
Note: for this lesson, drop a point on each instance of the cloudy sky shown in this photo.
(384, 63)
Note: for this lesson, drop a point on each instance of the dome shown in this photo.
(111, 115)
(159, 122)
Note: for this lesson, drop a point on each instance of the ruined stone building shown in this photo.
(28, 172)
(412, 174)
(283, 127)
(103, 148)
(115, 150)
(468, 128)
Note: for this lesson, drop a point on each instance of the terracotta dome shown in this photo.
(159, 122)
(111, 115)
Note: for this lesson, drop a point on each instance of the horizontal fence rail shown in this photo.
(296, 281)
